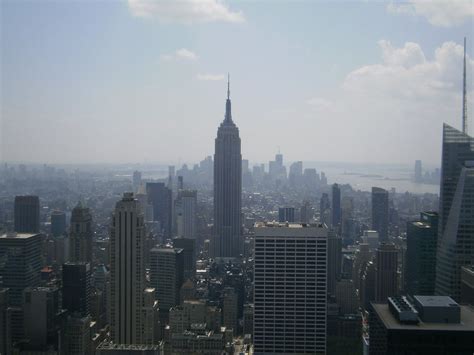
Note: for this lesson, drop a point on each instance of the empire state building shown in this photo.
(227, 187)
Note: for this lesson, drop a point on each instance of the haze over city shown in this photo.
(141, 81)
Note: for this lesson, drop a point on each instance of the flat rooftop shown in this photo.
(390, 322)
(17, 235)
(275, 224)
(436, 301)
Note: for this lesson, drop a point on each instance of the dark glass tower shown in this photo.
(227, 187)
(336, 205)
(456, 211)
(27, 214)
(380, 212)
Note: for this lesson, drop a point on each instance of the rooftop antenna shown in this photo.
(228, 77)
(464, 98)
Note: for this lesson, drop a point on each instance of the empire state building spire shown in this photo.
(228, 111)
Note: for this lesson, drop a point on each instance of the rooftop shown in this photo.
(390, 322)
(436, 301)
(15, 235)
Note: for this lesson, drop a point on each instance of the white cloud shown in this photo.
(183, 53)
(441, 13)
(397, 104)
(210, 77)
(185, 11)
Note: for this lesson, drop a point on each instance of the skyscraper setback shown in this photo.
(227, 187)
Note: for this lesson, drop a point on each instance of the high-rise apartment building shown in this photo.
(227, 188)
(420, 265)
(127, 273)
(380, 212)
(386, 276)
(80, 240)
(455, 247)
(290, 288)
(27, 214)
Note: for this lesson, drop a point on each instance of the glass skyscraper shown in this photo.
(456, 211)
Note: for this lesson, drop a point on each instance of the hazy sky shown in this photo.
(143, 81)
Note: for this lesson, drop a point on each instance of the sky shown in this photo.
(143, 81)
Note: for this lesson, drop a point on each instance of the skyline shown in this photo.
(315, 97)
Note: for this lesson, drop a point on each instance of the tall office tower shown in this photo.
(227, 188)
(418, 172)
(5, 323)
(248, 318)
(334, 256)
(27, 214)
(420, 267)
(80, 238)
(161, 199)
(324, 205)
(21, 263)
(58, 223)
(306, 212)
(77, 287)
(380, 212)
(44, 319)
(286, 214)
(188, 245)
(127, 273)
(171, 176)
(166, 276)
(455, 246)
(336, 205)
(386, 276)
(185, 209)
(296, 173)
(136, 180)
(290, 289)
(230, 309)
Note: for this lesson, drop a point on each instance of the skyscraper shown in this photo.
(386, 277)
(81, 234)
(227, 188)
(160, 197)
(286, 214)
(127, 233)
(166, 276)
(336, 205)
(21, 263)
(418, 171)
(77, 287)
(380, 212)
(290, 289)
(420, 268)
(58, 223)
(334, 256)
(27, 214)
(185, 209)
(455, 247)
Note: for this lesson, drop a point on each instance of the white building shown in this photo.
(290, 288)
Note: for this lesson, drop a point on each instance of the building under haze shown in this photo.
(58, 223)
(290, 288)
(161, 198)
(380, 212)
(336, 205)
(386, 276)
(455, 246)
(127, 272)
(27, 214)
(80, 239)
(227, 188)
